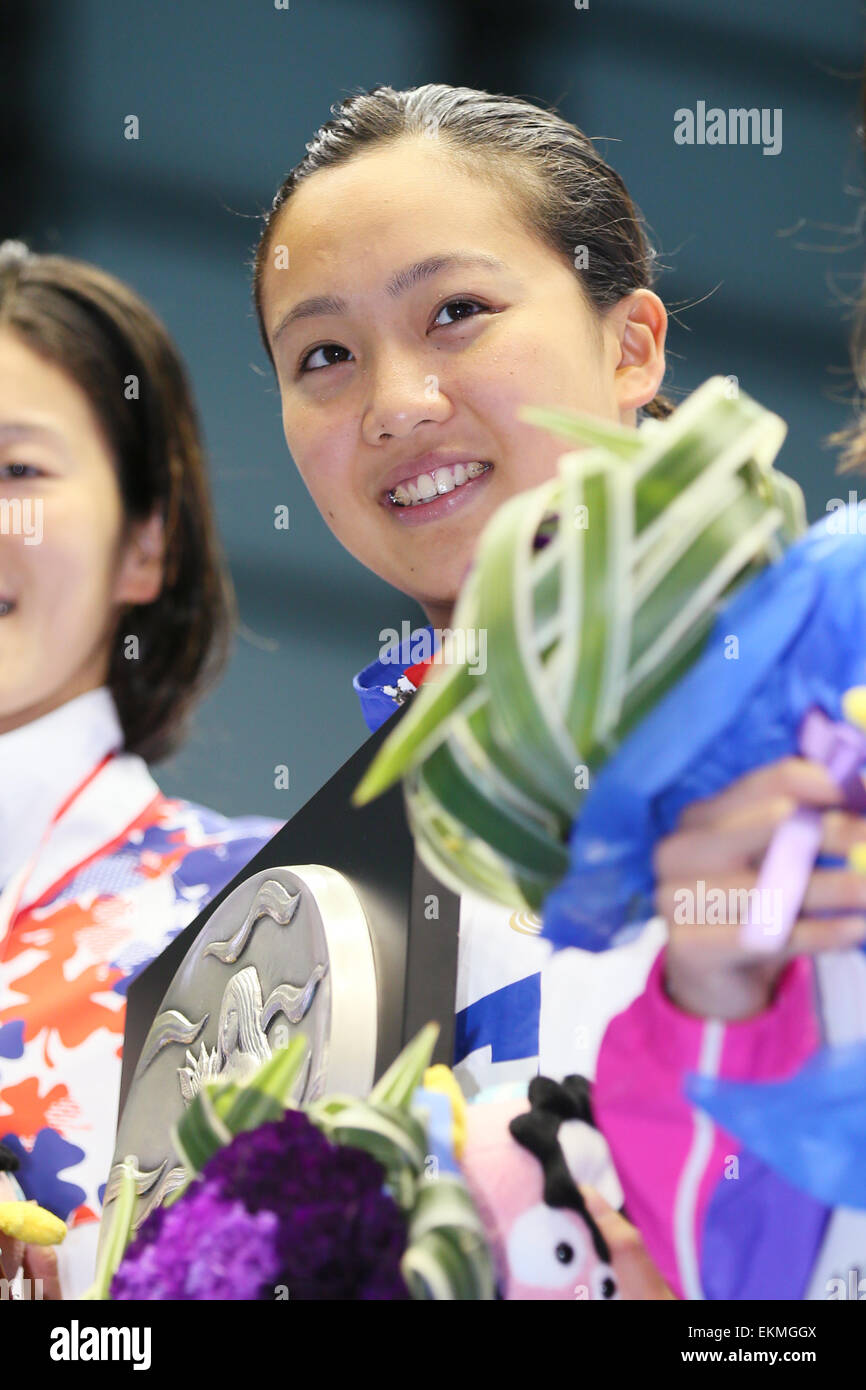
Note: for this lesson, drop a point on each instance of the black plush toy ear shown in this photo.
(551, 1103)
(577, 1089)
(567, 1099)
(8, 1160)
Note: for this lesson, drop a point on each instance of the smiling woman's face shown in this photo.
(66, 560)
(395, 393)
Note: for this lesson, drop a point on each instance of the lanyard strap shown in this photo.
(11, 900)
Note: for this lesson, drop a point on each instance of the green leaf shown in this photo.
(448, 1265)
(265, 1095)
(584, 429)
(397, 1085)
(516, 837)
(451, 855)
(523, 716)
(419, 731)
(200, 1132)
(119, 1233)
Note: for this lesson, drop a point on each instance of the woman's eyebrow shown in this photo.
(399, 283)
(24, 429)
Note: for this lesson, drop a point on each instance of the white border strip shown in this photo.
(686, 1199)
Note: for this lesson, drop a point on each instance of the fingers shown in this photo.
(706, 887)
(742, 837)
(635, 1272)
(738, 837)
(807, 783)
(727, 898)
(832, 890)
(709, 973)
(40, 1262)
(813, 934)
(720, 943)
(11, 1257)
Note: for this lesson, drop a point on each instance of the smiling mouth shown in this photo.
(427, 487)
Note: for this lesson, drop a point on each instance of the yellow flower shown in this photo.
(31, 1223)
(441, 1078)
(854, 706)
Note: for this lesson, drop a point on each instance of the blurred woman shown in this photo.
(115, 615)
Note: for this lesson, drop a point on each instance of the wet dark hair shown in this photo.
(94, 328)
(550, 173)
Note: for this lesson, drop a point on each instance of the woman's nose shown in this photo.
(403, 395)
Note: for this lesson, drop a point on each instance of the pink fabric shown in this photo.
(507, 1183)
(638, 1098)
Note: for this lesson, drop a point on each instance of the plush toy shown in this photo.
(24, 1224)
(20, 1219)
(524, 1158)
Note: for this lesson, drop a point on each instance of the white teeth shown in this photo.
(444, 480)
(427, 486)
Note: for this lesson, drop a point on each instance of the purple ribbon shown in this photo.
(788, 863)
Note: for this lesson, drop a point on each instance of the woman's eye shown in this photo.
(323, 348)
(460, 309)
(471, 304)
(19, 470)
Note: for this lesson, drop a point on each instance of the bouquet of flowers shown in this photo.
(596, 591)
(617, 600)
(342, 1199)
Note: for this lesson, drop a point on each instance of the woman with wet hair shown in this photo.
(439, 257)
(115, 616)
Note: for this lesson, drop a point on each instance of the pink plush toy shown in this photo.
(523, 1159)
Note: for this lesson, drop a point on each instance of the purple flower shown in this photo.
(202, 1247)
(280, 1205)
(341, 1236)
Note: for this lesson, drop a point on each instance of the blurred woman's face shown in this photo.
(410, 314)
(65, 560)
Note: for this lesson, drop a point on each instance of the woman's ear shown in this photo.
(641, 324)
(142, 564)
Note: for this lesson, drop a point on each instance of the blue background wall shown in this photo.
(227, 93)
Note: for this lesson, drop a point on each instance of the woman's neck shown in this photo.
(439, 615)
(80, 685)
(42, 761)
